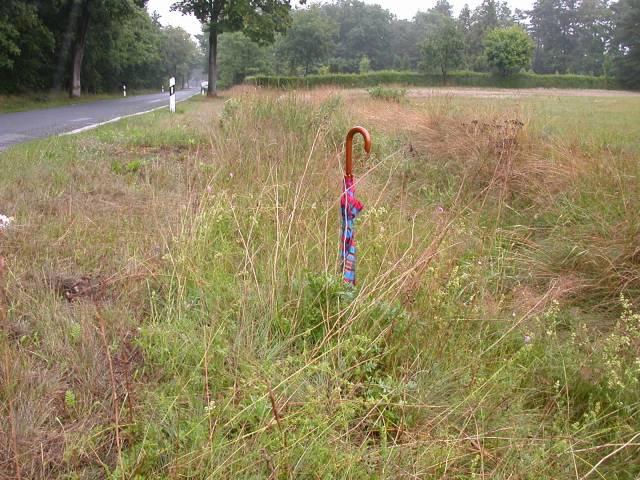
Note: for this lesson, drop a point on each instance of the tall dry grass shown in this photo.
(486, 337)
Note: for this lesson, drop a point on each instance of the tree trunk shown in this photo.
(212, 90)
(78, 51)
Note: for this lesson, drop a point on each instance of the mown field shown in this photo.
(170, 304)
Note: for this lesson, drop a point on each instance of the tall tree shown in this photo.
(593, 33)
(405, 41)
(310, 39)
(99, 13)
(627, 41)
(570, 35)
(179, 53)
(464, 19)
(363, 31)
(258, 19)
(444, 8)
(26, 46)
(240, 57)
(488, 15)
(443, 48)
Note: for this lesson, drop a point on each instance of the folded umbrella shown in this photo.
(350, 207)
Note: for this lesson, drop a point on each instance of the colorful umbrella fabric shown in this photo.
(350, 207)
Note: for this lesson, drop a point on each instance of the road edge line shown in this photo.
(114, 120)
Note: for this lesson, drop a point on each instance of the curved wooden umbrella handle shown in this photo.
(349, 147)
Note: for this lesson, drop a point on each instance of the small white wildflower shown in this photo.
(5, 221)
(210, 407)
(527, 339)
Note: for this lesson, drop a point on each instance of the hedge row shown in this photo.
(456, 79)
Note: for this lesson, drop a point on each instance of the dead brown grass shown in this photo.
(75, 274)
(88, 247)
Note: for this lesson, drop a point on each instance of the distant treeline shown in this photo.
(459, 79)
(89, 46)
(583, 37)
(96, 45)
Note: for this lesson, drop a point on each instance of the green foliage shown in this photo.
(466, 79)
(508, 50)
(26, 45)
(126, 168)
(70, 399)
(363, 30)
(627, 60)
(443, 48)
(240, 57)
(309, 41)
(124, 44)
(391, 94)
(300, 367)
(570, 37)
(259, 21)
(365, 65)
(178, 54)
(485, 17)
(239, 353)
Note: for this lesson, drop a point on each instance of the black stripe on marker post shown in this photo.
(172, 90)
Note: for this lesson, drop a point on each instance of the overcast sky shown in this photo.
(401, 8)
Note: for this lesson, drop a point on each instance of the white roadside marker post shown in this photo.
(172, 95)
(163, 88)
(124, 90)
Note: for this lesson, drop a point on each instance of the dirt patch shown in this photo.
(72, 288)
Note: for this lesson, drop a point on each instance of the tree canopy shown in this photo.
(259, 20)
(444, 47)
(121, 42)
(95, 45)
(309, 41)
(627, 42)
(508, 49)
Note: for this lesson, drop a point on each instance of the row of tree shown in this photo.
(591, 37)
(96, 45)
(89, 46)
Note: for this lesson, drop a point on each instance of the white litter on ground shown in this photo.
(5, 221)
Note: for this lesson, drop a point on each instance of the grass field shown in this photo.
(170, 305)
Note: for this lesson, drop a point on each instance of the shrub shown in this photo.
(508, 50)
(443, 48)
(458, 79)
(391, 94)
(365, 65)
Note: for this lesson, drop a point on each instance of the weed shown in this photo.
(387, 93)
(487, 336)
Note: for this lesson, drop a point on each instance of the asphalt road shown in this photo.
(21, 127)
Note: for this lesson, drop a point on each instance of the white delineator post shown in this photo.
(124, 90)
(172, 95)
